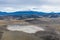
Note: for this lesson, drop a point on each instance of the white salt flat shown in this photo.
(27, 29)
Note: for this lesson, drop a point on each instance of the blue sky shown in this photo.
(36, 5)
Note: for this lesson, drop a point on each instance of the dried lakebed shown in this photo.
(25, 28)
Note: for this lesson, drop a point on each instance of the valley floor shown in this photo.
(49, 24)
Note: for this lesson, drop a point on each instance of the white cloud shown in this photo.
(47, 8)
(13, 9)
(43, 8)
(36, 5)
(8, 9)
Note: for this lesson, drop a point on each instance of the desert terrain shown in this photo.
(51, 26)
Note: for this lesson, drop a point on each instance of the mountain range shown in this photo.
(30, 14)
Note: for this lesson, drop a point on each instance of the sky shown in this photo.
(35, 5)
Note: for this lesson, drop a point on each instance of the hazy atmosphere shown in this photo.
(29, 19)
(35, 5)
